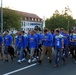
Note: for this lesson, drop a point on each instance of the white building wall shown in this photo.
(29, 25)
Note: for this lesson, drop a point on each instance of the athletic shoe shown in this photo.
(19, 61)
(6, 60)
(50, 61)
(29, 61)
(34, 59)
(48, 58)
(23, 59)
(40, 61)
(37, 57)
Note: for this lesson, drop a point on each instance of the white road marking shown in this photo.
(20, 69)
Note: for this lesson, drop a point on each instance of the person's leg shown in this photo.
(62, 55)
(25, 53)
(75, 53)
(31, 55)
(11, 52)
(6, 53)
(21, 53)
(57, 57)
(66, 51)
(72, 51)
(40, 49)
(43, 53)
(49, 49)
(1, 54)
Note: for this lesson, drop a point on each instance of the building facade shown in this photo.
(30, 21)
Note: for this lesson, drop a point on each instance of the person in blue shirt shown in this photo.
(47, 40)
(59, 45)
(73, 45)
(28, 34)
(39, 42)
(21, 43)
(33, 45)
(62, 31)
(1, 54)
(66, 43)
(7, 44)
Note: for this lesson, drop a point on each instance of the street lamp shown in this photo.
(1, 18)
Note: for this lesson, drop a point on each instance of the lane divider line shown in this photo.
(20, 69)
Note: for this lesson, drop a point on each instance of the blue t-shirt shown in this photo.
(33, 41)
(66, 39)
(47, 39)
(7, 40)
(21, 41)
(58, 41)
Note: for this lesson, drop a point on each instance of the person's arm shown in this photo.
(62, 43)
(10, 40)
(16, 41)
(36, 40)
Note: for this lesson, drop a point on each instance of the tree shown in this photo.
(60, 20)
(11, 19)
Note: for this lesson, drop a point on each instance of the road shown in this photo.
(46, 68)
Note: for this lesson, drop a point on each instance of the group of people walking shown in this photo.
(35, 46)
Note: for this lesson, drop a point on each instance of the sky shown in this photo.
(41, 7)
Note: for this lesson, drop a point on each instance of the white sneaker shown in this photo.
(29, 61)
(34, 59)
(23, 59)
(19, 61)
(37, 57)
(48, 58)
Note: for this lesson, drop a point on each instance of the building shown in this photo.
(29, 21)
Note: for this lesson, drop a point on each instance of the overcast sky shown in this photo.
(41, 7)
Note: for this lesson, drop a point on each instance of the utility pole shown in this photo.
(43, 22)
(68, 26)
(1, 18)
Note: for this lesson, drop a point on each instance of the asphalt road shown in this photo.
(45, 68)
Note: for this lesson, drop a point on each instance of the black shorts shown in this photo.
(6, 50)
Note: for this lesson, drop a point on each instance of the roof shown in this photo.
(29, 15)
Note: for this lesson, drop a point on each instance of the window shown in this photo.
(24, 23)
(32, 29)
(38, 19)
(25, 18)
(35, 19)
(32, 19)
(26, 29)
(28, 23)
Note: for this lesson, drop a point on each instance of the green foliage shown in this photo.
(11, 19)
(60, 20)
